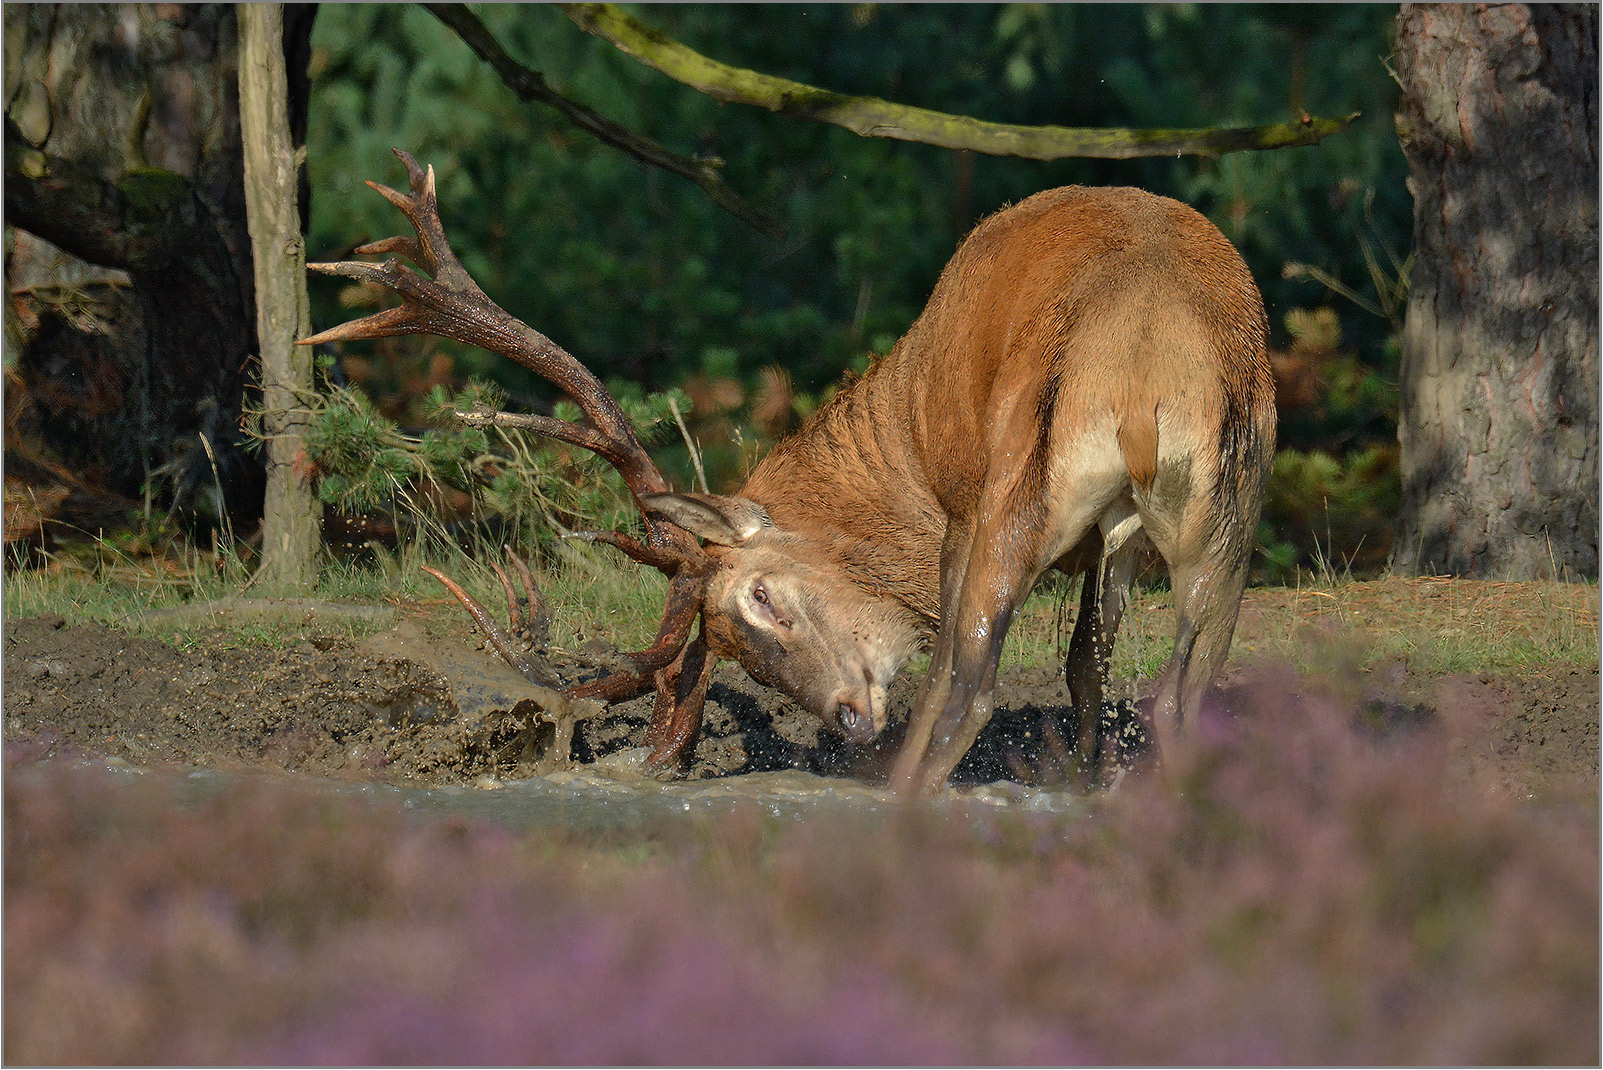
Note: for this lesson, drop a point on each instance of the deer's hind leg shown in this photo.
(1208, 550)
(1103, 598)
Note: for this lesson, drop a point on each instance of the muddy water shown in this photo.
(615, 795)
(421, 712)
(430, 722)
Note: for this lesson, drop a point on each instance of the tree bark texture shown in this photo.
(135, 327)
(289, 512)
(1499, 411)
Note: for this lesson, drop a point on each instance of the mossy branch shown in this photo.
(872, 117)
(530, 85)
(143, 221)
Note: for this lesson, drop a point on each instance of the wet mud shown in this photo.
(403, 707)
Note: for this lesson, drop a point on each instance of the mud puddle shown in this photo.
(406, 708)
(454, 728)
(595, 803)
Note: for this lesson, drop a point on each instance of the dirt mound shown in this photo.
(406, 707)
(315, 707)
(400, 706)
(1529, 735)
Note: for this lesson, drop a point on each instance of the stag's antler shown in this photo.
(451, 305)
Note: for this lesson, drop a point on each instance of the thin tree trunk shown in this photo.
(289, 520)
(1499, 416)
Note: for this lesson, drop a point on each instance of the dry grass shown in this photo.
(590, 592)
(1437, 624)
(1434, 624)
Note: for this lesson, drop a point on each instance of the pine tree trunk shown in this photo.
(289, 512)
(137, 321)
(1499, 417)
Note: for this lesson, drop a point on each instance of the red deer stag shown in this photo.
(1088, 381)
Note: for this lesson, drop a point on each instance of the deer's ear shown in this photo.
(715, 517)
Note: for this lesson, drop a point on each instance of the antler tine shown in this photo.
(679, 613)
(406, 246)
(587, 438)
(386, 324)
(452, 305)
(645, 668)
(681, 697)
(629, 546)
(499, 639)
(514, 613)
(447, 302)
(421, 208)
(539, 614)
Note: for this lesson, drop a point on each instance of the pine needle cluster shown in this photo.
(450, 482)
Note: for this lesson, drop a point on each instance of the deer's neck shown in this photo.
(853, 479)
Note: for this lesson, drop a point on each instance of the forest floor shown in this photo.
(406, 706)
(1403, 781)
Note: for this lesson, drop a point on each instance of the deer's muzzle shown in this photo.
(855, 722)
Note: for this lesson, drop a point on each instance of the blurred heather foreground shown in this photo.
(1325, 886)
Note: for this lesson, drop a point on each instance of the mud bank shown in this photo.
(406, 708)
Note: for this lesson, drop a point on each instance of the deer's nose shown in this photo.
(855, 722)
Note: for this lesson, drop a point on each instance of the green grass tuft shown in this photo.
(1433, 625)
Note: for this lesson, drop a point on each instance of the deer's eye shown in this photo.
(767, 610)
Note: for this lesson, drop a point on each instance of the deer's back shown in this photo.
(1072, 308)
(1073, 304)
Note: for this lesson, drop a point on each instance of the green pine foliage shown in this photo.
(1334, 490)
(530, 489)
(648, 282)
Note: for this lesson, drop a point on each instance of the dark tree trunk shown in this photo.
(1499, 420)
(136, 320)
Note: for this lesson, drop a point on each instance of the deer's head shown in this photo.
(772, 600)
(789, 612)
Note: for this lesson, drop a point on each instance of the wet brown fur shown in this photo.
(1078, 325)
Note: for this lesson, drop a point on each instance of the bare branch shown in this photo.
(872, 117)
(530, 85)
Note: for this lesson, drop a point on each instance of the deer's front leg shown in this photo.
(954, 703)
(936, 686)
